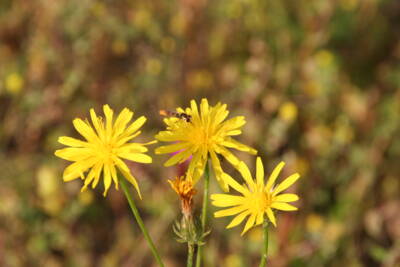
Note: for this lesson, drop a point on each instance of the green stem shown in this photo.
(203, 213)
(139, 220)
(190, 255)
(264, 252)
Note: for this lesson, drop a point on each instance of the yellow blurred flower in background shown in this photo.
(105, 146)
(14, 83)
(257, 198)
(288, 111)
(200, 135)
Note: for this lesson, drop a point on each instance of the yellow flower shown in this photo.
(105, 146)
(199, 134)
(257, 198)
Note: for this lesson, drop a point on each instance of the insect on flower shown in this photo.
(180, 115)
(207, 135)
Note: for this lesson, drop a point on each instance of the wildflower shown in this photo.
(184, 188)
(105, 146)
(202, 134)
(258, 198)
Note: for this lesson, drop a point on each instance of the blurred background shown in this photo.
(318, 82)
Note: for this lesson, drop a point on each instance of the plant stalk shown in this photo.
(190, 255)
(139, 220)
(264, 251)
(199, 255)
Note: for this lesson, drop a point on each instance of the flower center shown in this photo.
(107, 151)
(202, 137)
(260, 201)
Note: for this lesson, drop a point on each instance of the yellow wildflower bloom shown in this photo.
(199, 134)
(105, 148)
(258, 198)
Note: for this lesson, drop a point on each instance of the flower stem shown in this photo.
(203, 212)
(190, 255)
(139, 220)
(264, 252)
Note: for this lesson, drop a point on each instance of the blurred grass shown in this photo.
(318, 82)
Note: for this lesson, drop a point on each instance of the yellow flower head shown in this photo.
(258, 198)
(184, 188)
(199, 134)
(105, 146)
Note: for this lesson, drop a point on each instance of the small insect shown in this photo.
(179, 115)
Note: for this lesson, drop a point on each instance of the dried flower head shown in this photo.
(184, 188)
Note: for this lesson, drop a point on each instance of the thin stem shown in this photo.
(203, 213)
(190, 255)
(139, 220)
(264, 252)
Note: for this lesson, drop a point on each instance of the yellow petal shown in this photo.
(168, 136)
(69, 141)
(178, 158)
(218, 171)
(233, 132)
(136, 157)
(221, 114)
(108, 112)
(232, 159)
(259, 172)
(196, 167)
(260, 218)
(91, 176)
(171, 148)
(135, 126)
(122, 120)
(250, 223)
(232, 143)
(74, 153)
(224, 200)
(107, 178)
(97, 125)
(234, 123)
(286, 198)
(86, 131)
(235, 185)
(130, 179)
(286, 183)
(244, 170)
(132, 148)
(194, 110)
(271, 216)
(122, 139)
(273, 176)
(204, 108)
(120, 164)
(77, 169)
(283, 206)
(238, 219)
(98, 169)
(229, 212)
(114, 175)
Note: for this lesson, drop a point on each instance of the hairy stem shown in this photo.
(190, 255)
